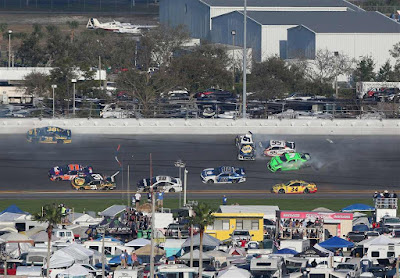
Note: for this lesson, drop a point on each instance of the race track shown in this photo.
(352, 165)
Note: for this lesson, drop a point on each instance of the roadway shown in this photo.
(345, 166)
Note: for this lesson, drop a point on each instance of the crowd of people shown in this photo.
(298, 229)
(385, 199)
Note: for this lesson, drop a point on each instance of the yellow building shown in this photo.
(226, 223)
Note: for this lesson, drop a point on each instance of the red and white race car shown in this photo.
(279, 147)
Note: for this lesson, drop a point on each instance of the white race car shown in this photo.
(163, 183)
(245, 146)
(223, 174)
(279, 147)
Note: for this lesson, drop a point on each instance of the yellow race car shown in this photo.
(94, 182)
(294, 187)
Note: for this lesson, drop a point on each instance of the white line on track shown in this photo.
(329, 140)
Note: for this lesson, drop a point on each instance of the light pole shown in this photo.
(185, 187)
(73, 98)
(244, 60)
(9, 47)
(54, 86)
(180, 164)
(336, 53)
(233, 33)
(102, 231)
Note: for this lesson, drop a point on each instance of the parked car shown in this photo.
(355, 236)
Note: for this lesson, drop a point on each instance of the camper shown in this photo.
(273, 266)
(299, 245)
(112, 247)
(176, 271)
(383, 251)
(64, 235)
(319, 272)
(128, 273)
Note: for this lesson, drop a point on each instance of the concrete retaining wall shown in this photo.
(207, 126)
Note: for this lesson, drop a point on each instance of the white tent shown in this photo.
(66, 256)
(16, 244)
(15, 237)
(322, 249)
(75, 271)
(43, 237)
(139, 242)
(380, 240)
(233, 272)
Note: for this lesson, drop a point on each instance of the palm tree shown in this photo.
(52, 215)
(73, 25)
(202, 217)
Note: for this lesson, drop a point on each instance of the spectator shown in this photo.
(134, 258)
(386, 194)
(224, 200)
(133, 201)
(160, 199)
(138, 196)
(123, 260)
(149, 197)
(393, 194)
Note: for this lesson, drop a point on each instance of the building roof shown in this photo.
(329, 22)
(278, 3)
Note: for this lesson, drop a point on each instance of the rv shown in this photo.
(299, 245)
(274, 266)
(112, 247)
(319, 272)
(176, 271)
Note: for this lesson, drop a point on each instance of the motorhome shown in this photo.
(319, 272)
(383, 251)
(299, 245)
(274, 266)
(176, 271)
(64, 235)
(112, 247)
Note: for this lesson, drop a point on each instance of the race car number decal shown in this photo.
(291, 155)
(246, 149)
(97, 176)
(79, 181)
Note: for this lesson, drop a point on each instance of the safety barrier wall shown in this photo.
(207, 126)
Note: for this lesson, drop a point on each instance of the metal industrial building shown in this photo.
(197, 15)
(300, 34)
(355, 35)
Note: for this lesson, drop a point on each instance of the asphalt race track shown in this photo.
(351, 166)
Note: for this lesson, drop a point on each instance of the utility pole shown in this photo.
(128, 192)
(100, 69)
(153, 204)
(244, 60)
(9, 47)
(54, 103)
(102, 254)
(191, 245)
(185, 187)
(73, 98)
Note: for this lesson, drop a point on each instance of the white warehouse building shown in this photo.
(197, 15)
(294, 34)
(356, 36)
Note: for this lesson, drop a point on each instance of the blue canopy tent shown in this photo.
(335, 243)
(286, 251)
(358, 207)
(13, 209)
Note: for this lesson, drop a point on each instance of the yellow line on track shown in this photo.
(189, 192)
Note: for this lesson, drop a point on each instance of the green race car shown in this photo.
(289, 161)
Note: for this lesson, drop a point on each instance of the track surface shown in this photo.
(342, 165)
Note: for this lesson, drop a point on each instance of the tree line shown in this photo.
(196, 68)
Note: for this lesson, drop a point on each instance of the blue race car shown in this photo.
(49, 135)
(223, 174)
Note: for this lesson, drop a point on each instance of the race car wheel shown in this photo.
(60, 142)
(306, 191)
(58, 179)
(210, 181)
(107, 188)
(81, 188)
(281, 191)
(235, 181)
(171, 190)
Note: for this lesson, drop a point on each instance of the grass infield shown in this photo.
(80, 205)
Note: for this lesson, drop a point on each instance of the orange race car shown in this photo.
(68, 172)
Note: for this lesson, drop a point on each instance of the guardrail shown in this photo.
(208, 126)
